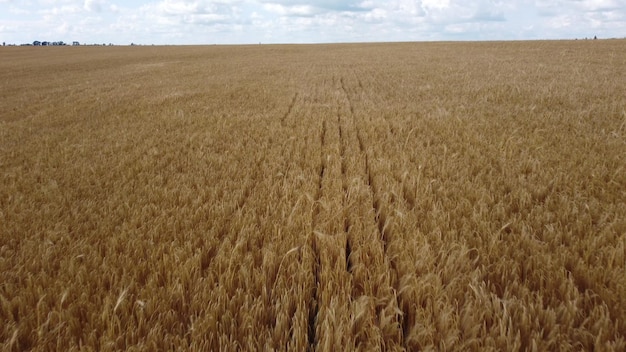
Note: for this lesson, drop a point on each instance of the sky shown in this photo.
(298, 21)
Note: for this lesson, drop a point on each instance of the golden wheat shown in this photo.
(409, 196)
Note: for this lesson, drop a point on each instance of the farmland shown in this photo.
(405, 196)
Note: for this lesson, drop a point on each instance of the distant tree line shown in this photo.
(45, 43)
(49, 43)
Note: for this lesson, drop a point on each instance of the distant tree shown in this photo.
(595, 37)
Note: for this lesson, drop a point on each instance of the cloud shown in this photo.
(178, 7)
(206, 19)
(54, 12)
(18, 11)
(327, 5)
(301, 21)
(94, 5)
(600, 5)
(321, 9)
(580, 18)
(64, 28)
(435, 4)
(184, 10)
(488, 16)
(292, 10)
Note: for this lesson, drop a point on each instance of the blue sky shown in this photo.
(299, 21)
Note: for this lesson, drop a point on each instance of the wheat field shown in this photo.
(396, 196)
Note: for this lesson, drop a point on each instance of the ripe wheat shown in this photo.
(409, 196)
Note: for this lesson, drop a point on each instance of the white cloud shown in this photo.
(94, 5)
(179, 7)
(600, 5)
(64, 28)
(59, 11)
(435, 4)
(18, 11)
(249, 21)
(206, 19)
(293, 10)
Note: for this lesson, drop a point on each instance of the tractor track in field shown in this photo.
(315, 295)
(329, 223)
(283, 119)
(379, 209)
(346, 157)
(344, 187)
(380, 215)
(344, 131)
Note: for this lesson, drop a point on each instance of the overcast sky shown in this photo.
(299, 21)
